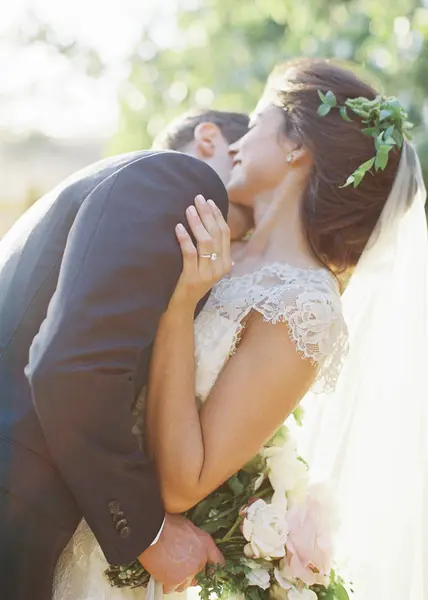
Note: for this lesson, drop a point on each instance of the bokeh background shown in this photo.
(83, 79)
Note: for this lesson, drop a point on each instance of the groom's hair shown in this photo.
(180, 132)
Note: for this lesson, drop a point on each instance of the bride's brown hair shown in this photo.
(338, 221)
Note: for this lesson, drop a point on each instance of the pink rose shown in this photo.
(309, 544)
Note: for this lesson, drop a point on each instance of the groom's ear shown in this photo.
(207, 136)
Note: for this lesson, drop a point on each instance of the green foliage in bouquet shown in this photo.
(383, 119)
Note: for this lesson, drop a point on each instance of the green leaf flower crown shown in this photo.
(384, 120)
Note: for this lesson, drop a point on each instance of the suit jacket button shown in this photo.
(124, 532)
(121, 523)
(114, 506)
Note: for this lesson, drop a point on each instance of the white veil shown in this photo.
(370, 438)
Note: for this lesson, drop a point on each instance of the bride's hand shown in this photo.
(210, 260)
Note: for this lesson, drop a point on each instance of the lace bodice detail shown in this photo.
(308, 301)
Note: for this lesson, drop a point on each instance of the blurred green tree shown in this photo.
(222, 52)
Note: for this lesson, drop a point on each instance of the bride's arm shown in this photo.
(196, 451)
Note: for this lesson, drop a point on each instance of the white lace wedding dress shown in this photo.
(308, 301)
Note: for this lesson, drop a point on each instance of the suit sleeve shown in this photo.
(119, 269)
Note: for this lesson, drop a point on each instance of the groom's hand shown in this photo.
(181, 552)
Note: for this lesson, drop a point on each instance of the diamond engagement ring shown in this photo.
(212, 256)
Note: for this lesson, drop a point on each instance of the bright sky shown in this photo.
(40, 90)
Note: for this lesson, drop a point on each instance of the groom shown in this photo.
(85, 275)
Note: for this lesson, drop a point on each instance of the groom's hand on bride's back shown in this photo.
(181, 552)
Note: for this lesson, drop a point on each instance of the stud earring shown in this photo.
(290, 158)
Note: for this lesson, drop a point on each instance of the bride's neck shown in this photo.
(278, 233)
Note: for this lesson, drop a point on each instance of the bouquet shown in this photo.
(274, 528)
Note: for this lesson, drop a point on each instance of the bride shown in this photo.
(274, 329)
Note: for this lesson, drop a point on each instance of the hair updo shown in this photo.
(338, 221)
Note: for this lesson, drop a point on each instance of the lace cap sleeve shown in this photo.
(313, 313)
(308, 300)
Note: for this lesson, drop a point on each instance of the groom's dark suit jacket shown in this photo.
(84, 277)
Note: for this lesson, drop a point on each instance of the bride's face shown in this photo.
(260, 157)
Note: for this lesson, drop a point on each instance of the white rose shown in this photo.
(265, 528)
(259, 577)
(288, 475)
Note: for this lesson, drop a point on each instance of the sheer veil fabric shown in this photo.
(370, 437)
